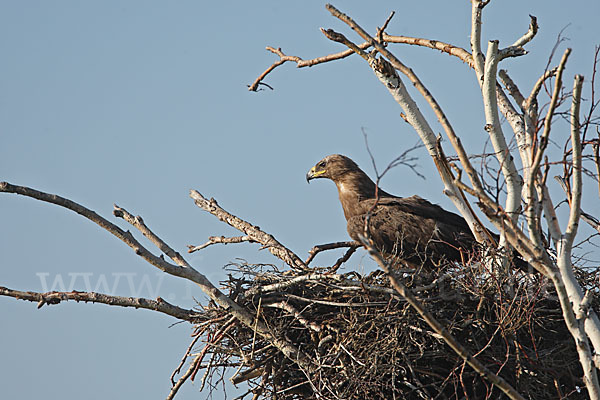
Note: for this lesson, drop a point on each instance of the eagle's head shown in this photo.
(333, 167)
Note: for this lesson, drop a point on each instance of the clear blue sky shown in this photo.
(136, 102)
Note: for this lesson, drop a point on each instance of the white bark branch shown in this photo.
(576, 187)
(478, 61)
(529, 35)
(509, 171)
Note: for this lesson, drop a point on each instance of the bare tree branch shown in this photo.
(300, 63)
(253, 232)
(513, 90)
(52, 298)
(448, 48)
(529, 35)
(220, 239)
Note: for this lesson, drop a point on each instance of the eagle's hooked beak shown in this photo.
(314, 173)
(310, 175)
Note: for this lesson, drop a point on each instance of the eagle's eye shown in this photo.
(321, 164)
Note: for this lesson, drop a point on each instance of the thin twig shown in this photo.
(300, 63)
(590, 219)
(328, 246)
(343, 259)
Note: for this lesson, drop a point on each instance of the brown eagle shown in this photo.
(409, 228)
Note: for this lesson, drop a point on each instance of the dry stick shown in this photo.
(530, 115)
(513, 90)
(185, 356)
(529, 35)
(183, 378)
(448, 48)
(438, 327)
(524, 128)
(138, 223)
(516, 49)
(514, 118)
(254, 232)
(52, 298)
(207, 372)
(300, 63)
(522, 124)
(343, 259)
(220, 239)
(491, 91)
(336, 303)
(328, 246)
(575, 201)
(286, 306)
(287, 283)
(254, 334)
(381, 31)
(538, 86)
(254, 371)
(182, 271)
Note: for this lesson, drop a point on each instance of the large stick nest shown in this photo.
(366, 342)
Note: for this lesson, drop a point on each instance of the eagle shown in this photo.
(407, 228)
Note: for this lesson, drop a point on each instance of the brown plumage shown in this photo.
(409, 228)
